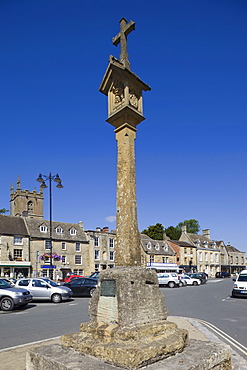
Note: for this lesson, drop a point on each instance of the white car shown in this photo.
(190, 281)
(171, 279)
(240, 286)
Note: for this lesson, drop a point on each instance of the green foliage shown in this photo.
(155, 231)
(192, 225)
(173, 233)
(3, 211)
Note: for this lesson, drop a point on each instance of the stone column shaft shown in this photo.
(128, 252)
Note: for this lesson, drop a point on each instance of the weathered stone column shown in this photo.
(128, 252)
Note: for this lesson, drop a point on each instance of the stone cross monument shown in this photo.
(125, 112)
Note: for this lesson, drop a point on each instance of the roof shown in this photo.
(181, 243)
(152, 246)
(34, 224)
(12, 225)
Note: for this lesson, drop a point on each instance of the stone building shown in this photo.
(156, 252)
(208, 254)
(101, 249)
(14, 247)
(26, 203)
(231, 259)
(70, 248)
(186, 255)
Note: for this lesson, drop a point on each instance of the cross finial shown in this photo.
(121, 38)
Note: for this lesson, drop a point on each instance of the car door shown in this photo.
(76, 285)
(40, 289)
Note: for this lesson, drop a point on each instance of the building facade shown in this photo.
(14, 247)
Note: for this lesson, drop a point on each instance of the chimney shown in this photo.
(106, 229)
(81, 224)
(206, 233)
(184, 229)
(98, 229)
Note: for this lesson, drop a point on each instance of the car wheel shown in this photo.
(171, 284)
(91, 291)
(7, 304)
(195, 283)
(180, 284)
(233, 295)
(56, 298)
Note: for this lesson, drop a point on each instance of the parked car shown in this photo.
(190, 280)
(240, 285)
(45, 289)
(82, 286)
(199, 275)
(171, 279)
(11, 297)
(70, 277)
(222, 274)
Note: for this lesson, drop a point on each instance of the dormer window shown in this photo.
(157, 247)
(43, 229)
(149, 245)
(165, 248)
(72, 231)
(59, 230)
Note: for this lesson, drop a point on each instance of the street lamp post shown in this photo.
(42, 179)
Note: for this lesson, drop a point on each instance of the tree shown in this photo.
(3, 211)
(155, 231)
(192, 225)
(173, 233)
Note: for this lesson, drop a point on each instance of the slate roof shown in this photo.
(152, 246)
(180, 243)
(230, 248)
(205, 242)
(34, 224)
(11, 225)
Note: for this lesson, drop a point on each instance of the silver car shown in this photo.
(11, 297)
(45, 289)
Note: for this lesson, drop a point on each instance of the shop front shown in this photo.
(15, 269)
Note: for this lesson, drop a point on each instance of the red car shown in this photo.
(71, 277)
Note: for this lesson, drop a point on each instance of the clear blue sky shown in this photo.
(191, 152)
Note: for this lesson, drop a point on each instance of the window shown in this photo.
(111, 243)
(211, 257)
(59, 230)
(185, 250)
(72, 231)
(96, 255)
(63, 246)
(206, 257)
(165, 248)
(96, 241)
(43, 229)
(18, 240)
(76, 271)
(217, 258)
(24, 282)
(47, 244)
(18, 254)
(191, 250)
(149, 245)
(96, 267)
(200, 256)
(78, 260)
(77, 247)
(80, 272)
(111, 255)
(157, 247)
(236, 259)
(164, 259)
(151, 258)
(63, 259)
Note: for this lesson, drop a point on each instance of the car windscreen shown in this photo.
(4, 284)
(50, 282)
(242, 278)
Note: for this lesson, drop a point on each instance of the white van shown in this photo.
(240, 285)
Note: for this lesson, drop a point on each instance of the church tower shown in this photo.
(26, 203)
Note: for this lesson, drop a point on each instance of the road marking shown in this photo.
(73, 304)
(227, 337)
(28, 344)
